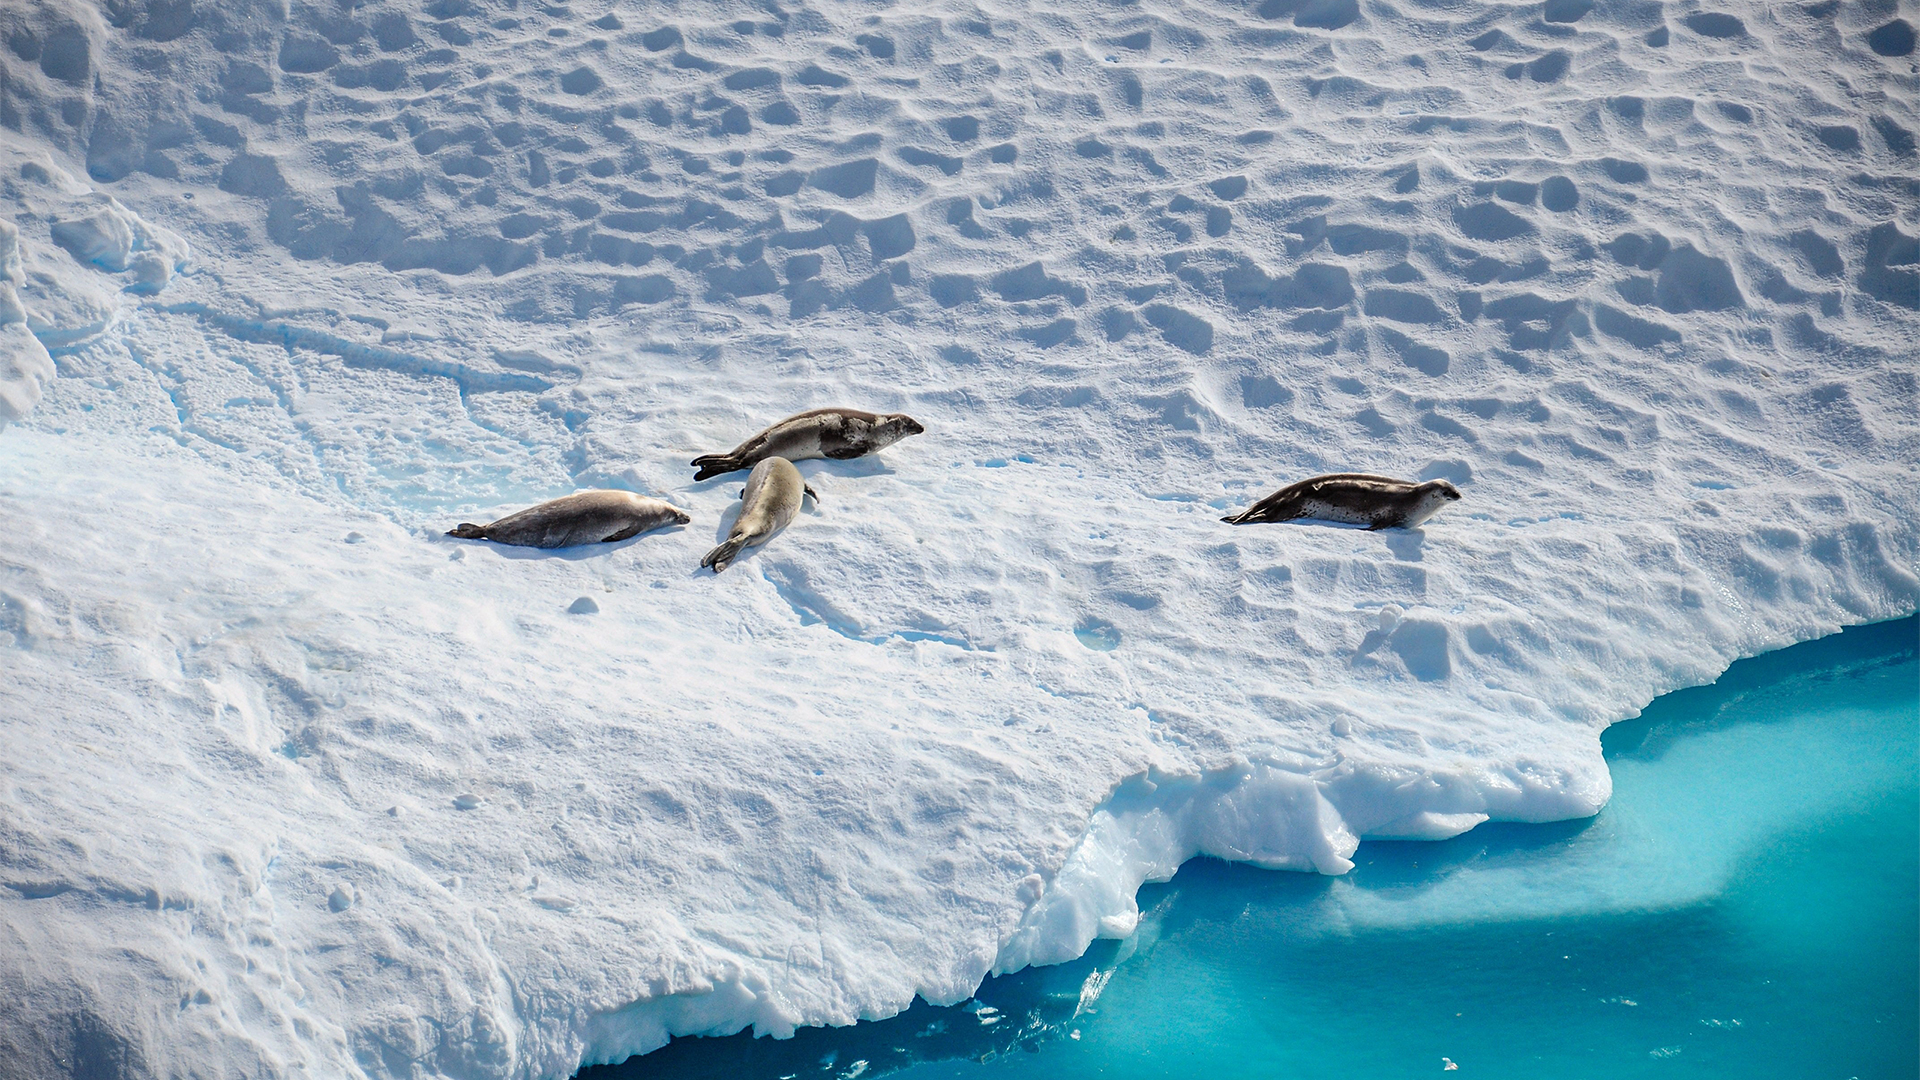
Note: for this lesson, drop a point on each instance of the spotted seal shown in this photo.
(590, 517)
(1378, 502)
(822, 433)
(772, 496)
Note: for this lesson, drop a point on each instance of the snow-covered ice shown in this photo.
(294, 785)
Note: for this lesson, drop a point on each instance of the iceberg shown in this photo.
(293, 784)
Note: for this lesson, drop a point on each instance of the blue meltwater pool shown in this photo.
(1744, 907)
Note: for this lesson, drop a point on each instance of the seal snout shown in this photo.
(911, 426)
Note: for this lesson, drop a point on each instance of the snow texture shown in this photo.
(294, 785)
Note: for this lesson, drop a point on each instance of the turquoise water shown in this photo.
(1746, 906)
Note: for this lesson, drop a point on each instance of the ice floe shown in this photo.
(294, 785)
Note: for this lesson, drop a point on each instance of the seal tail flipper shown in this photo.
(722, 557)
(714, 465)
(468, 531)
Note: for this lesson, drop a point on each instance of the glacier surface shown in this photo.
(294, 785)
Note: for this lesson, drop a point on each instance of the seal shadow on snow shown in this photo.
(576, 553)
(1407, 545)
(723, 529)
(853, 468)
(1323, 523)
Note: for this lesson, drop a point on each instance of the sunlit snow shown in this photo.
(292, 784)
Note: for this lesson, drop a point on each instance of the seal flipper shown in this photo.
(714, 465)
(1259, 514)
(722, 557)
(468, 531)
(809, 491)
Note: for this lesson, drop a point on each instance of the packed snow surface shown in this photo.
(291, 784)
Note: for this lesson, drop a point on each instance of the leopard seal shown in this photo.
(771, 498)
(838, 434)
(589, 517)
(1378, 502)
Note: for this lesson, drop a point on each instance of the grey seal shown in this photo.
(590, 517)
(772, 496)
(1378, 502)
(821, 433)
